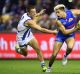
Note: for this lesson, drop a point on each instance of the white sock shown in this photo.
(42, 63)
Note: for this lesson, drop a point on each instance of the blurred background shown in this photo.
(10, 13)
(12, 10)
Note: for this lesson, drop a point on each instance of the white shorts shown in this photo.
(27, 39)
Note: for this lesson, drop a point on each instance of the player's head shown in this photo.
(31, 10)
(60, 10)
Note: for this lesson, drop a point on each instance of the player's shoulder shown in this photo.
(69, 12)
(26, 16)
(61, 20)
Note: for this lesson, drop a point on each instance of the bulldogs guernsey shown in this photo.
(69, 23)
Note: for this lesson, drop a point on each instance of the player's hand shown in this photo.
(42, 11)
(78, 25)
(55, 31)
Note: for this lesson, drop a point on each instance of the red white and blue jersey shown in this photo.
(69, 23)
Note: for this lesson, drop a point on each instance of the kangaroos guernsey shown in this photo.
(24, 34)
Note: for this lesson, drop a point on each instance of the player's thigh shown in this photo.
(34, 43)
(70, 42)
(57, 47)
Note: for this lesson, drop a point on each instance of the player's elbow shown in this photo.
(65, 33)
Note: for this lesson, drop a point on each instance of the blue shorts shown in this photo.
(62, 39)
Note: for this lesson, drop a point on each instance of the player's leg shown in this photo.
(70, 43)
(34, 43)
(56, 49)
(21, 49)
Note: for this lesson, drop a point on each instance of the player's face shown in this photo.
(33, 12)
(60, 13)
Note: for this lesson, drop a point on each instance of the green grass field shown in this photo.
(33, 67)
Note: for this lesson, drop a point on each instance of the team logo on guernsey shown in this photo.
(70, 19)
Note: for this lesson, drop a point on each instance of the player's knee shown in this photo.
(70, 49)
(17, 49)
(70, 46)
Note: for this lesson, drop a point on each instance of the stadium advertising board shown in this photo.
(46, 42)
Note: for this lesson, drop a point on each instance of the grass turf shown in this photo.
(33, 67)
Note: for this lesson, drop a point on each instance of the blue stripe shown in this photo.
(26, 21)
(25, 34)
(25, 25)
(29, 32)
(21, 30)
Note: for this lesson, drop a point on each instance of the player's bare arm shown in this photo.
(76, 12)
(63, 30)
(33, 24)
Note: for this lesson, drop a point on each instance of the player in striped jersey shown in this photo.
(25, 36)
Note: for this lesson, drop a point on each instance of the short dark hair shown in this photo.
(30, 7)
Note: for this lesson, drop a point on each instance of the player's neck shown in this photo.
(64, 15)
(29, 15)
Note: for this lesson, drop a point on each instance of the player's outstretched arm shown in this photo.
(38, 16)
(76, 12)
(63, 30)
(33, 24)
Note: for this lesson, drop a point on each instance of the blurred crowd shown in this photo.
(12, 10)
